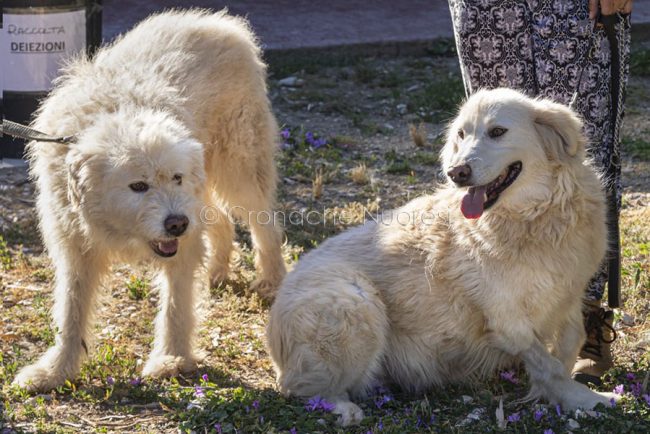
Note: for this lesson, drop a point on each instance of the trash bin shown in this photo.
(36, 36)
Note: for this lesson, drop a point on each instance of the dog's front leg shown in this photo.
(571, 337)
(550, 380)
(173, 349)
(77, 278)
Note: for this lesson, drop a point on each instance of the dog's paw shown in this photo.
(586, 399)
(266, 289)
(218, 275)
(348, 413)
(38, 377)
(168, 366)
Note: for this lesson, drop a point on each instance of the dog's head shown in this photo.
(137, 179)
(502, 148)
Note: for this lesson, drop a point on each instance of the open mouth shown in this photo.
(480, 198)
(164, 248)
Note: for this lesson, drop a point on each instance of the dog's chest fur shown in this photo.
(453, 283)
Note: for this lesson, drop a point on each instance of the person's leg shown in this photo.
(494, 45)
(604, 121)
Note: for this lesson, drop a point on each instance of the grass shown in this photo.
(640, 62)
(6, 261)
(137, 287)
(638, 148)
(438, 99)
(237, 393)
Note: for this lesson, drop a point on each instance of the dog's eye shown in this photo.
(461, 134)
(496, 132)
(139, 187)
(178, 178)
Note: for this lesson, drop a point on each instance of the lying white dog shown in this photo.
(170, 118)
(490, 269)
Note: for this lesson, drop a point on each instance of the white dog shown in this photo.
(172, 117)
(490, 269)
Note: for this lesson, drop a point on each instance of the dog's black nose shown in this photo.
(176, 224)
(460, 174)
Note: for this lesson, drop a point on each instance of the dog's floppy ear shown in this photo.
(79, 171)
(560, 130)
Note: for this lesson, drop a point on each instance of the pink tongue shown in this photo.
(168, 246)
(472, 204)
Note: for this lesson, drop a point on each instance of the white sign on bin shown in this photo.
(33, 48)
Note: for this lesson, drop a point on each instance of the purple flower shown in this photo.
(327, 406)
(548, 431)
(256, 404)
(293, 430)
(630, 376)
(318, 143)
(646, 398)
(509, 376)
(204, 377)
(538, 415)
(135, 381)
(217, 427)
(612, 402)
(317, 403)
(199, 392)
(381, 400)
(110, 381)
(636, 389)
(514, 417)
(380, 425)
(619, 390)
(558, 410)
(285, 133)
(309, 137)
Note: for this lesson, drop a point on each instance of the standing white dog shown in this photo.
(170, 118)
(490, 269)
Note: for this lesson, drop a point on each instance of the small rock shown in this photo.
(573, 424)
(644, 342)
(401, 109)
(291, 82)
(467, 399)
(628, 320)
(474, 415)
(388, 127)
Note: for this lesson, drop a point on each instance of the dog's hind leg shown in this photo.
(330, 341)
(77, 278)
(221, 232)
(267, 240)
(173, 346)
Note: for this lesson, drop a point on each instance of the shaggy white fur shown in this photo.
(170, 118)
(431, 296)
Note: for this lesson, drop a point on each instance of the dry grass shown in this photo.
(418, 134)
(359, 174)
(317, 185)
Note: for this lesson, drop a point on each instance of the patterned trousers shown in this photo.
(550, 48)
